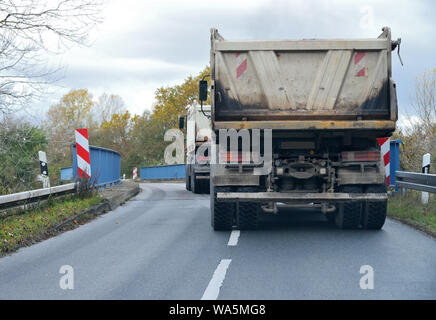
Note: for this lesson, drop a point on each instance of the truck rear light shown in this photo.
(235, 156)
(356, 156)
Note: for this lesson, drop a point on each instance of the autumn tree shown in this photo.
(171, 102)
(106, 106)
(148, 130)
(147, 141)
(115, 133)
(73, 111)
(419, 130)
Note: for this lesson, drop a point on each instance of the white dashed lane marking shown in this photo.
(234, 237)
(213, 289)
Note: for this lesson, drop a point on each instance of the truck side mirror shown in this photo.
(202, 94)
(181, 122)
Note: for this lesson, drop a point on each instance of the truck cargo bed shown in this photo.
(304, 81)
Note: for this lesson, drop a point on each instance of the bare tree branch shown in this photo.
(29, 29)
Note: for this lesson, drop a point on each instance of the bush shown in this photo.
(86, 188)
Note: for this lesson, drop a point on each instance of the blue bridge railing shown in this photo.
(105, 166)
(67, 174)
(168, 172)
(395, 162)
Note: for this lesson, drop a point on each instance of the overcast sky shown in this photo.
(143, 45)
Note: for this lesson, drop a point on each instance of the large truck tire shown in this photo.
(330, 216)
(348, 214)
(206, 186)
(222, 213)
(248, 213)
(195, 184)
(188, 179)
(374, 214)
(248, 216)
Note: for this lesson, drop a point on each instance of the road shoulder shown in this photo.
(60, 215)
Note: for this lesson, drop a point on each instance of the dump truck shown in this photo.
(317, 107)
(198, 133)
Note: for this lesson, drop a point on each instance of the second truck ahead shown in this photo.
(322, 104)
(198, 132)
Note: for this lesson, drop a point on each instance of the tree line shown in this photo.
(418, 130)
(140, 138)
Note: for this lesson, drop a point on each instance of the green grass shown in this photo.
(410, 210)
(35, 224)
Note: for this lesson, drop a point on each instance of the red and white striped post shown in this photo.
(82, 152)
(385, 152)
(241, 64)
(135, 173)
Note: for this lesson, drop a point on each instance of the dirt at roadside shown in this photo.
(119, 193)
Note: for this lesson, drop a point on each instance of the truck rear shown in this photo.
(318, 107)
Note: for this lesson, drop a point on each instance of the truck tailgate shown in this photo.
(302, 79)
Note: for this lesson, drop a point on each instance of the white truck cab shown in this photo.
(198, 132)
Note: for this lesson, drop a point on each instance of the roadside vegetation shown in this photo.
(410, 210)
(417, 128)
(40, 223)
(418, 135)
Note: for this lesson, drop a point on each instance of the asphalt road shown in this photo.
(160, 245)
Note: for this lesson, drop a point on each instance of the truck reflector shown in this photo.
(350, 156)
(238, 157)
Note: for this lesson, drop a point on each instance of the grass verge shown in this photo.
(411, 211)
(39, 223)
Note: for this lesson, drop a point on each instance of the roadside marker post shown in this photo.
(82, 151)
(43, 177)
(425, 170)
(385, 152)
(135, 173)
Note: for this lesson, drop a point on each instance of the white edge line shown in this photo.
(213, 289)
(234, 237)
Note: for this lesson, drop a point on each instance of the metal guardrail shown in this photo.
(34, 195)
(416, 181)
(27, 197)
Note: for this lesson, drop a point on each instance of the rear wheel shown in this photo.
(330, 216)
(188, 179)
(195, 184)
(206, 186)
(248, 216)
(374, 214)
(222, 213)
(348, 214)
(248, 213)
